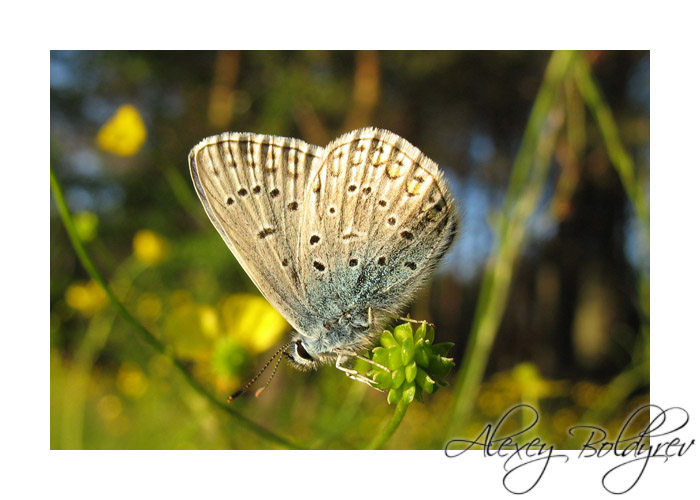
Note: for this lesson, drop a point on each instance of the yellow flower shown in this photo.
(192, 329)
(208, 321)
(533, 386)
(131, 380)
(251, 320)
(124, 133)
(150, 248)
(87, 298)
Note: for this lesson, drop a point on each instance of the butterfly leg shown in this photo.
(410, 320)
(354, 374)
(374, 363)
(347, 355)
(365, 380)
(432, 325)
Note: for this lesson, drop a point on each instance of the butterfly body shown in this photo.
(337, 239)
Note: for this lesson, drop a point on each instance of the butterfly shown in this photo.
(338, 239)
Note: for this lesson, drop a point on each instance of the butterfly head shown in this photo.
(334, 339)
(304, 354)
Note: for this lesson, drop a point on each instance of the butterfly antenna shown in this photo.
(274, 370)
(245, 387)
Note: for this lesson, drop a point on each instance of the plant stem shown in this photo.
(390, 427)
(624, 384)
(78, 375)
(530, 170)
(140, 330)
(620, 158)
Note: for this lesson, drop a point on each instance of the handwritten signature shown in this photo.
(526, 461)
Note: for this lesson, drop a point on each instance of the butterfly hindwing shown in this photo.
(252, 187)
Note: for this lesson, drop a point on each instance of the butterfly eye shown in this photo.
(302, 352)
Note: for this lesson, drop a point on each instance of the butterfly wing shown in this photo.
(378, 217)
(252, 188)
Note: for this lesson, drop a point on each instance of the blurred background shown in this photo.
(545, 292)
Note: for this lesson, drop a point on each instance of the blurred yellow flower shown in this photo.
(252, 320)
(192, 328)
(532, 385)
(86, 297)
(131, 380)
(208, 320)
(124, 133)
(150, 248)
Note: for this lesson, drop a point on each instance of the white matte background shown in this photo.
(30, 469)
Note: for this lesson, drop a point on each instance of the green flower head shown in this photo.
(415, 364)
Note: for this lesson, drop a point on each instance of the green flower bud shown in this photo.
(387, 339)
(415, 365)
(440, 366)
(421, 355)
(402, 332)
(420, 332)
(424, 381)
(407, 351)
(429, 335)
(383, 379)
(361, 365)
(394, 396)
(409, 392)
(381, 355)
(394, 357)
(411, 371)
(398, 377)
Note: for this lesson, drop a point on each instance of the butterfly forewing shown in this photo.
(378, 218)
(252, 188)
